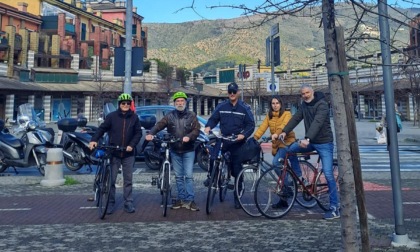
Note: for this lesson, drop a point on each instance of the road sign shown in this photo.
(262, 75)
(275, 29)
(276, 85)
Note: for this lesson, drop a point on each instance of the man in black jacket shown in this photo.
(314, 111)
(124, 130)
(182, 124)
(235, 118)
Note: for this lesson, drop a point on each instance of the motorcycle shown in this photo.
(154, 155)
(76, 152)
(28, 151)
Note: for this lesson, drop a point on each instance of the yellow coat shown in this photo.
(276, 125)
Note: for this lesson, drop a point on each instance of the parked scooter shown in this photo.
(26, 113)
(76, 152)
(26, 152)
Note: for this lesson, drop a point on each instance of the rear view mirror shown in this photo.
(147, 121)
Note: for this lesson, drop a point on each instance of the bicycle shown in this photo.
(103, 177)
(251, 172)
(163, 181)
(220, 174)
(275, 184)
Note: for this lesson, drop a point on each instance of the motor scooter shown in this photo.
(26, 152)
(76, 151)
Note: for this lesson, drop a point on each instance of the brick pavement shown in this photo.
(65, 210)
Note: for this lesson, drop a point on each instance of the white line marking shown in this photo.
(15, 209)
(411, 203)
(88, 207)
(370, 217)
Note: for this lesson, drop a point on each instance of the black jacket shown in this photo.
(179, 124)
(316, 117)
(123, 130)
(235, 120)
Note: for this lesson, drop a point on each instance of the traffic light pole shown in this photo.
(128, 45)
(273, 82)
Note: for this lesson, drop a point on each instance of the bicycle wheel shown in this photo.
(105, 190)
(308, 173)
(97, 183)
(165, 190)
(275, 194)
(321, 190)
(211, 192)
(223, 181)
(245, 189)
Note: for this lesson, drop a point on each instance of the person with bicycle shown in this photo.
(276, 120)
(235, 118)
(182, 124)
(124, 130)
(314, 111)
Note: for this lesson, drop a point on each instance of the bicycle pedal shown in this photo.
(230, 186)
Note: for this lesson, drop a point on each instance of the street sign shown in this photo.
(275, 29)
(262, 75)
(270, 86)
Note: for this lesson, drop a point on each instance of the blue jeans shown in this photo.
(325, 151)
(281, 154)
(183, 166)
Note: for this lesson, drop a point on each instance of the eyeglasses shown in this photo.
(232, 91)
(126, 103)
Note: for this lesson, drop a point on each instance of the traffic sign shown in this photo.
(262, 75)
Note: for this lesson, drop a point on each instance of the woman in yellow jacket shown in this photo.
(276, 120)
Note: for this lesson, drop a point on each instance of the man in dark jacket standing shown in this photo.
(182, 124)
(235, 118)
(124, 130)
(314, 111)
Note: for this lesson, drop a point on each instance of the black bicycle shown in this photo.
(163, 182)
(220, 174)
(103, 177)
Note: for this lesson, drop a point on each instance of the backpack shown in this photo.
(399, 122)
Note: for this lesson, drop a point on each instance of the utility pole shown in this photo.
(400, 237)
(128, 45)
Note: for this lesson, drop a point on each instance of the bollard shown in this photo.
(54, 168)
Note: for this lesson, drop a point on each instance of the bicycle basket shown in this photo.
(250, 151)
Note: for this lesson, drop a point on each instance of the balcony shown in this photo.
(50, 25)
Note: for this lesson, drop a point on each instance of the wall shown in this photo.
(34, 6)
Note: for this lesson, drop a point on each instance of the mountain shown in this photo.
(207, 44)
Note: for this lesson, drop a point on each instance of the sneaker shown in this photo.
(129, 208)
(281, 204)
(206, 182)
(178, 204)
(192, 206)
(110, 209)
(333, 213)
(286, 192)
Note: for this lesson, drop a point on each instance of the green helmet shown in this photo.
(124, 97)
(179, 95)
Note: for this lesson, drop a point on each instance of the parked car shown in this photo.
(149, 115)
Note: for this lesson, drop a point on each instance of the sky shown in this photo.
(165, 11)
(169, 11)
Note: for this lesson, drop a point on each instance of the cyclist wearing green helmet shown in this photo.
(124, 97)
(183, 125)
(179, 95)
(124, 129)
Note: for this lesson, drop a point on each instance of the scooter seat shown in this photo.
(10, 140)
